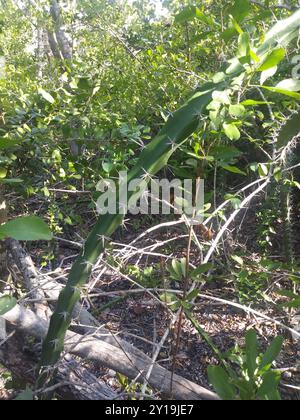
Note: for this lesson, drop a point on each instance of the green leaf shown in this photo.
(84, 84)
(254, 57)
(171, 300)
(240, 10)
(206, 18)
(221, 97)
(236, 25)
(204, 268)
(11, 181)
(3, 172)
(225, 153)
(231, 131)
(235, 201)
(272, 352)
(183, 264)
(234, 170)
(282, 33)
(29, 228)
(192, 295)
(229, 33)
(272, 60)
(288, 293)
(219, 77)
(251, 352)
(190, 13)
(107, 167)
(251, 102)
(6, 143)
(291, 94)
(46, 96)
(263, 170)
(291, 85)
(295, 184)
(288, 87)
(265, 75)
(174, 272)
(221, 383)
(269, 388)
(26, 395)
(244, 45)
(7, 303)
(238, 260)
(187, 14)
(237, 110)
(294, 304)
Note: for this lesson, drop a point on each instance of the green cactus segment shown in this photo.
(286, 214)
(81, 271)
(287, 133)
(180, 126)
(281, 34)
(290, 130)
(155, 156)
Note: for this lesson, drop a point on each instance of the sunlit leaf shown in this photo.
(288, 87)
(273, 59)
(187, 14)
(292, 85)
(237, 110)
(7, 303)
(232, 132)
(49, 98)
(240, 10)
(244, 45)
(29, 228)
(238, 260)
(252, 102)
(265, 75)
(3, 172)
(234, 170)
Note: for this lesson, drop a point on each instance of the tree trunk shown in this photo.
(58, 40)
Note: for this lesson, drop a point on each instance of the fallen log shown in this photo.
(27, 268)
(82, 384)
(45, 286)
(132, 366)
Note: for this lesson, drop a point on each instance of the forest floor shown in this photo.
(142, 321)
(133, 313)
